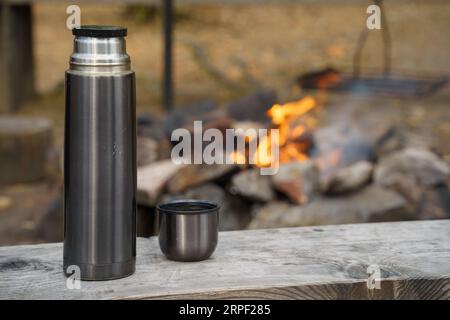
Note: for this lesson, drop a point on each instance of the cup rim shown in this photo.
(170, 207)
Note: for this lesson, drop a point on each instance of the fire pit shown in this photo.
(329, 172)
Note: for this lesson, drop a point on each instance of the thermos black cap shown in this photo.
(100, 31)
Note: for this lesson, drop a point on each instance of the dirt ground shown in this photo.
(224, 52)
(248, 46)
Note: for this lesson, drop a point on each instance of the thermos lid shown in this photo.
(96, 31)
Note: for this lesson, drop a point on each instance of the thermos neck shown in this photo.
(99, 54)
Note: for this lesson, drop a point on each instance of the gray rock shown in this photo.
(410, 190)
(253, 107)
(348, 179)
(371, 204)
(234, 212)
(184, 116)
(391, 140)
(270, 215)
(419, 164)
(251, 184)
(339, 145)
(435, 204)
(147, 151)
(299, 181)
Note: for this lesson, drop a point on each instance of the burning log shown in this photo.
(152, 179)
(322, 79)
(194, 175)
(294, 122)
(292, 137)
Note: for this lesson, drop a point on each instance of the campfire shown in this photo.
(295, 121)
(329, 173)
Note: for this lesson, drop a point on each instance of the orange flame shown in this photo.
(237, 157)
(293, 121)
(262, 156)
(281, 113)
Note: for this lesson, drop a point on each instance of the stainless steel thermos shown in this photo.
(100, 156)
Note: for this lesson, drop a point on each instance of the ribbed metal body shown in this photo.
(100, 160)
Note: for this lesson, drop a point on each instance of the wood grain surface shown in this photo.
(327, 262)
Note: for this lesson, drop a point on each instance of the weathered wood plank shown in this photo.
(303, 263)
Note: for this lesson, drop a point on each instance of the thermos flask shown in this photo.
(100, 156)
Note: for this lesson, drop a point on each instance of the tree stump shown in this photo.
(16, 54)
(24, 148)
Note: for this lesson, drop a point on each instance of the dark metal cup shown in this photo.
(188, 229)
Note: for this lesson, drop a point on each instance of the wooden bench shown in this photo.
(327, 262)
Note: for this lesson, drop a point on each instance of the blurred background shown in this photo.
(366, 137)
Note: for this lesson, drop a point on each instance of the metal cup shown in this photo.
(188, 229)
